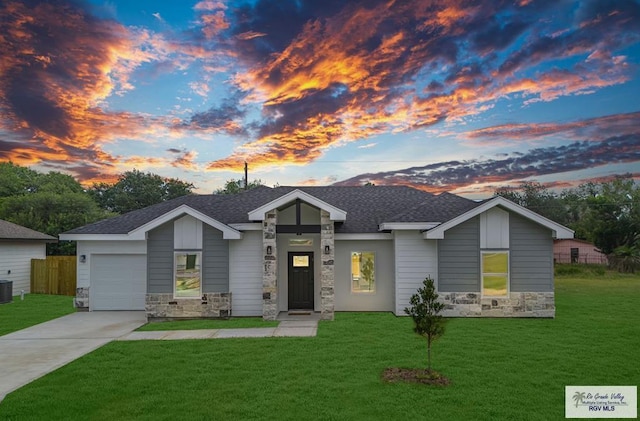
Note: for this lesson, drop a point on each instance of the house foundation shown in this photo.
(517, 304)
(212, 305)
(81, 302)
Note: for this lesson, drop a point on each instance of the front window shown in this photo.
(363, 272)
(187, 275)
(495, 273)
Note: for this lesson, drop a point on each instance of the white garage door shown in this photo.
(118, 282)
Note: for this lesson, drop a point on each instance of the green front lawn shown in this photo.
(512, 369)
(233, 323)
(35, 309)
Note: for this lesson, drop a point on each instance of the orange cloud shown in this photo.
(53, 87)
(352, 75)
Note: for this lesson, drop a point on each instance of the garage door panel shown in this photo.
(118, 282)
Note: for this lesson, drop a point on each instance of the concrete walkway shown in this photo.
(31, 353)
(290, 328)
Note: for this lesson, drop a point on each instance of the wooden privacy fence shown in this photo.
(54, 275)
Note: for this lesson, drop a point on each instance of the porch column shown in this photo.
(269, 276)
(327, 276)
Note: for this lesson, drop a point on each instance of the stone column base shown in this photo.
(517, 304)
(212, 305)
(81, 302)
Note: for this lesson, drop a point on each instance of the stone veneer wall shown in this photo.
(518, 304)
(81, 302)
(327, 275)
(210, 305)
(269, 277)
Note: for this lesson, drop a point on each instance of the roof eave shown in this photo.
(140, 233)
(557, 231)
(407, 226)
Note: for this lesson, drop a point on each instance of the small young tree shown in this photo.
(424, 310)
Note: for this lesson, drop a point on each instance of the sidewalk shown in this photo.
(286, 328)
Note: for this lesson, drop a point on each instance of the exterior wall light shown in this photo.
(83, 258)
(327, 250)
(269, 250)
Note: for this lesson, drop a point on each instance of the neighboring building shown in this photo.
(18, 245)
(577, 251)
(322, 249)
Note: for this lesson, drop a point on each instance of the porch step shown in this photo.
(299, 313)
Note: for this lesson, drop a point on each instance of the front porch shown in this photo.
(298, 215)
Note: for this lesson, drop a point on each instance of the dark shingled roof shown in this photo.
(366, 207)
(440, 208)
(10, 231)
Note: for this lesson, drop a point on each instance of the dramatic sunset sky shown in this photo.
(462, 96)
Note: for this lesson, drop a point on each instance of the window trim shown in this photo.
(198, 253)
(375, 273)
(482, 272)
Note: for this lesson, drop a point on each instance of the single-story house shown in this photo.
(18, 245)
(572, 250)
(323, 249)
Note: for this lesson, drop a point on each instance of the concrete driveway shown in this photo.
(31, 353)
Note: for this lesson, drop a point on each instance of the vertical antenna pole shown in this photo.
(246, 175)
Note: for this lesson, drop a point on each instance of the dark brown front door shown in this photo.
(300, 280)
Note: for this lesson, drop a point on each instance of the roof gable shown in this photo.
(558, 231)
(139, 233)
(228, 233)
(335, 214)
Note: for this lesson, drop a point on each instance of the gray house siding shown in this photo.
(531, 254)
(215, 261)
(459, 258)
(160, 259)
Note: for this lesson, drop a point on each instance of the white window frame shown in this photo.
(375, 273)
(198, 253)
(482, 272)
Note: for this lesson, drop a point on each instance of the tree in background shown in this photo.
(537, 198)
(611, 220)
(424, 311)
(606, 214)
(51, 203)
(237, 186)
(16, 180)
(136, 190)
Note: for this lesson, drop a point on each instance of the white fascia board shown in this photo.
(228, 233)
(335, 214)
(247, 226)
(411, 226)
(95, 237)
(364, 236)
(558, 231)
(140, 233)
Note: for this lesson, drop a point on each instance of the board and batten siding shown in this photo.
(459, 258)
(16, 257)
(245, 274)
(160, 243)
(416, 258)
(531, 255)
(90, 248)
(215, 261)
